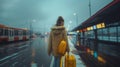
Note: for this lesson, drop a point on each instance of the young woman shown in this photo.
(58, 33)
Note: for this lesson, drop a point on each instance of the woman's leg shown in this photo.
(56, 62)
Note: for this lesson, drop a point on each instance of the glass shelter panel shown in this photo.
(105, 34)
(113, 34)
(119, 34)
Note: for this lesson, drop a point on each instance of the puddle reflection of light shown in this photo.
(101, 59)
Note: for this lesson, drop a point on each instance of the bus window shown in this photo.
(6, 32)
(19, 33)
(1, 31)
(15, 32)
(12, 33)
(9, 32)
(24, 32)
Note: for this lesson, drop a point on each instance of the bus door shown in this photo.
(11, 35)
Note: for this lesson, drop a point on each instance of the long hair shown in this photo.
(60, 21)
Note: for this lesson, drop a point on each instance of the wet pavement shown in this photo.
(32, 53)
(25, 54)
(39, 53)
(15, 55)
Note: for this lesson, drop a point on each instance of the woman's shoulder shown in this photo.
(57, 27)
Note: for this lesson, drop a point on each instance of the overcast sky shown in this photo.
(44, 13)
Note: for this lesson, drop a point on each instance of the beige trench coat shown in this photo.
(57, 34)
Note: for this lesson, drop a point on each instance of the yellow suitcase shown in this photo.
(70, 61)
(62, 48)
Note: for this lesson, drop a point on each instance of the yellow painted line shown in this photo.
(33, 52)
(33, 64)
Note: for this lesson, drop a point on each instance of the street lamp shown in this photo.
(90, 7)
(76, 18)
(31, 27)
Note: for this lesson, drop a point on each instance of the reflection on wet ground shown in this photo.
(8, 49)
(16, 54)
(25, 54)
